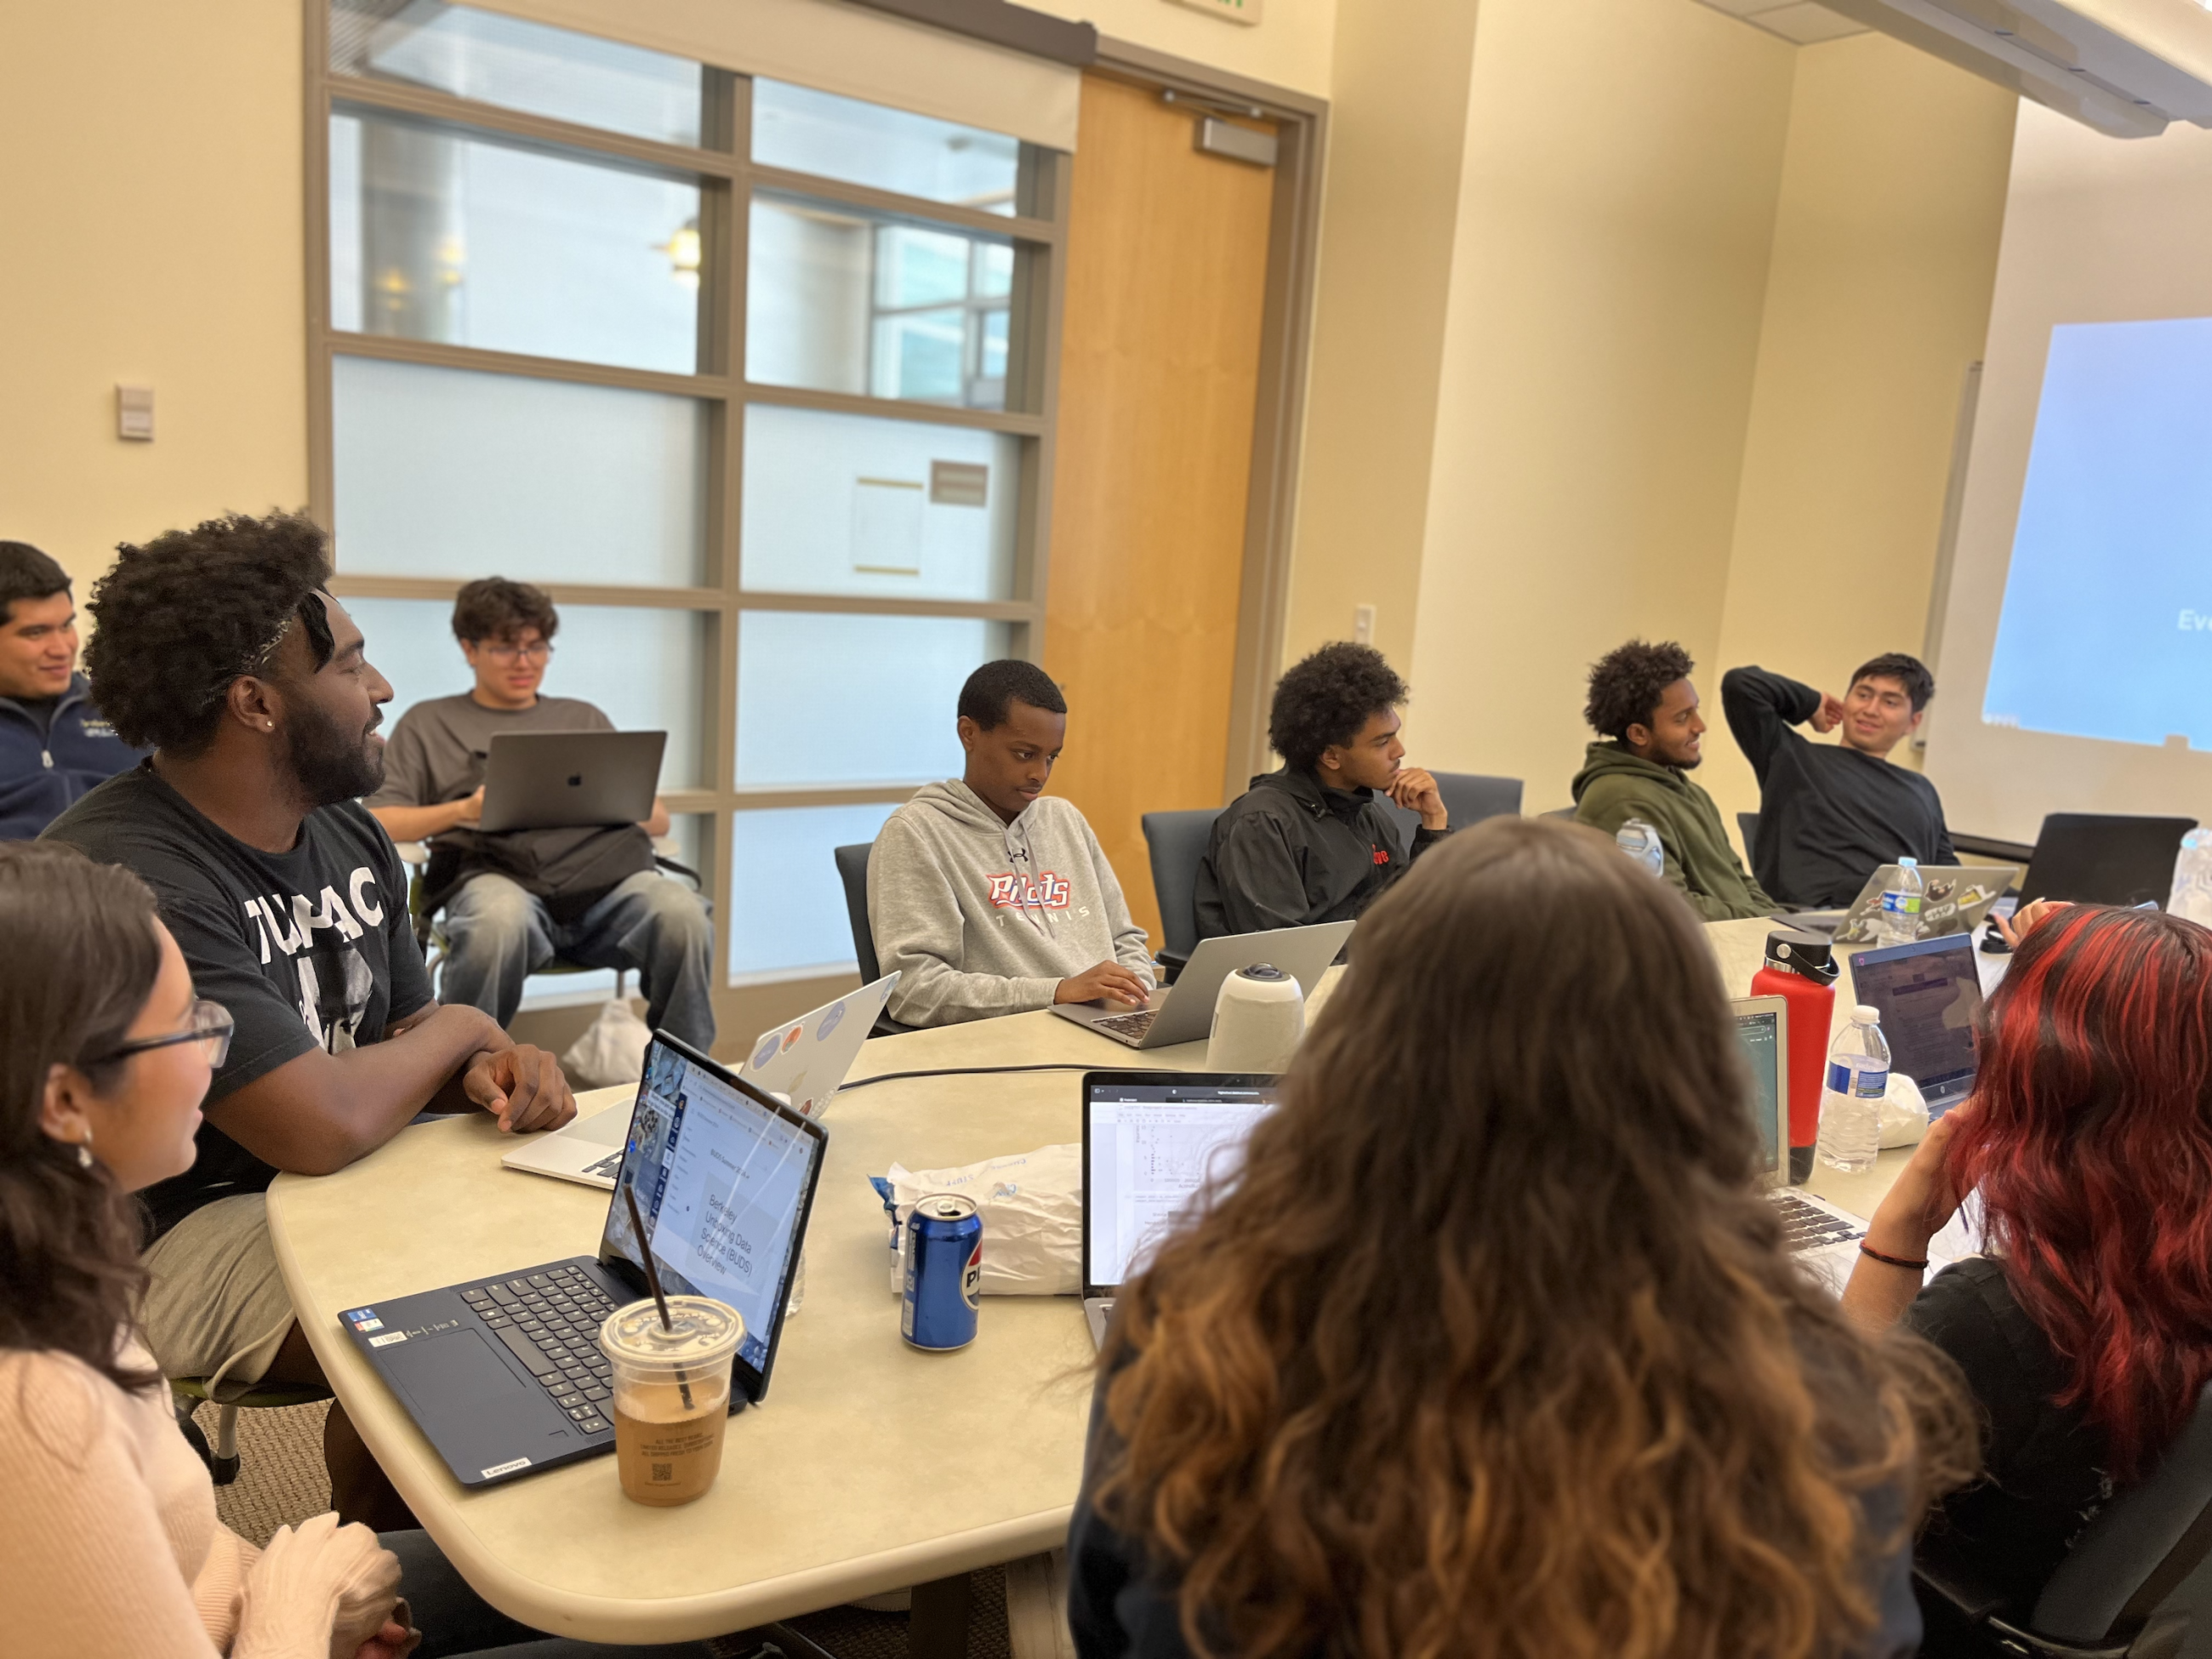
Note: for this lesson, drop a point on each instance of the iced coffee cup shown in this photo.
(672, 1395)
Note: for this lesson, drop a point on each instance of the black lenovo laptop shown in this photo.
(2104, 858)
(504, 1375)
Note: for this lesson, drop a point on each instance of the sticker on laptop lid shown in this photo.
(498, 1469)
(387, 1339)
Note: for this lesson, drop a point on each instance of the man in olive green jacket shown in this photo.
(1641, 699)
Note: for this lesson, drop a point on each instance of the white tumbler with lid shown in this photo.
(1258, 1018)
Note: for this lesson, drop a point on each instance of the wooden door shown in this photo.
(1159, 375)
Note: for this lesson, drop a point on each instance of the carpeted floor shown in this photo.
(282, 1480)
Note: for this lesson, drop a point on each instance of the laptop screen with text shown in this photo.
(1929, 996)
(1150, 1147)
(1760, 1032)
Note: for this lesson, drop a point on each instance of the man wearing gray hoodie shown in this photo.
(986, 896)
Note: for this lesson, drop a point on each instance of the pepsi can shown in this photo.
(943, 1272)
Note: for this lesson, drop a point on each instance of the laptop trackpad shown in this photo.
(461, 1388)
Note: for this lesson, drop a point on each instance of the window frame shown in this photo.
(728, 181)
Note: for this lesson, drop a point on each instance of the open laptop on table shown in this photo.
(1824, 1238)
(2104, 858)
(802, 1061)
(1954, 900)
(1150, 1140)
(570, 779)
(504, 1376)
(1184, 1011)
(1929, 995)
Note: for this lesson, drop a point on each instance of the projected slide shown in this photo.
(2107, 629)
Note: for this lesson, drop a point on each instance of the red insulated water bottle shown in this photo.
(1801, 969)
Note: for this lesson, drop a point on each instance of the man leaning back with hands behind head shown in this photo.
(220, 648)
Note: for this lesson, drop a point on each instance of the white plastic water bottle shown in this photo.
(2192, 878)
(1898, 921)
(1641, 842)
(1851, 1100)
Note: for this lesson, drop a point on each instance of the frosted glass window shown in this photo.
(786, 904)
(449, 472)
(839, 301)
(645, 669)
(519, 65)
(469, 242)
(827, 698)
(849, 504)
(860, 143)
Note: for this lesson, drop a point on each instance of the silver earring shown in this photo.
(84, 1151)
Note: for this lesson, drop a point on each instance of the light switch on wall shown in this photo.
(134, 413)
(1363, 624)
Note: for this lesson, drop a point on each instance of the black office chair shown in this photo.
(1469, 798)
(1176, 842)
(2130, 1585)
(1747, 825)
(852, 870)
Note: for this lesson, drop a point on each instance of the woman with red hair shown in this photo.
(2086, 1331)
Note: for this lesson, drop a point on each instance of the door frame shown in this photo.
(1285, 342)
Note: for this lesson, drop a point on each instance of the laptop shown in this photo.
(2104, 858)
(1929, 995)
(1184, 1011)
(570, 779)
(1150, 1140)
(802, 1063)
(1955, 897)
(504, 1376)
(1824, 1238)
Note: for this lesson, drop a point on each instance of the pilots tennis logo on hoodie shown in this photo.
(1018, 892)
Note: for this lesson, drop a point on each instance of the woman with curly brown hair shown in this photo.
(1492, 1345)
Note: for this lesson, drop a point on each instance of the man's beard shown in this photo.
(329, 762)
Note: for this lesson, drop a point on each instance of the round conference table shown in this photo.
(871, 1466)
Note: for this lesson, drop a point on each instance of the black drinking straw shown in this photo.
(653, 1281)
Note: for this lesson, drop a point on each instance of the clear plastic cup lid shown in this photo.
(700, 1333)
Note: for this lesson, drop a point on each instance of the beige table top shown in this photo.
(871, 1466)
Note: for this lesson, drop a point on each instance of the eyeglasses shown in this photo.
(204, 1022)
(540, 652)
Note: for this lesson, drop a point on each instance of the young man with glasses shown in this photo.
(513, 902)
(220, 649)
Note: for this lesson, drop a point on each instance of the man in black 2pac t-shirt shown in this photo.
(220, 649)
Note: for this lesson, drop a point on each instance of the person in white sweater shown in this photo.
(109, 1541)
(988, 896)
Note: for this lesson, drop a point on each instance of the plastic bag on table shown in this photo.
(1904, 1112)
(611, 1049)
(1032, 1208)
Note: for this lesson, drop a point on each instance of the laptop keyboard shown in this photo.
(551, 1322)
(1807, 1227)
(1133, 1025)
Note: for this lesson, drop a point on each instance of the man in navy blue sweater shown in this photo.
(53, 745)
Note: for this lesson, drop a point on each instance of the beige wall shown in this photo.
(150, 188)
(1399, 121)
(1884, 259)
(1616, 214)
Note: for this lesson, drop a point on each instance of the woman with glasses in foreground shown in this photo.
(1492, 1345)
(108, 1536)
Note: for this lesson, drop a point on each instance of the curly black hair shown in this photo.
(991, 688)
(1625, 684)
(1327, 698)
(1910, 672)
(180, 618)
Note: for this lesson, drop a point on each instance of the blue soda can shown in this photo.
(943, 1272)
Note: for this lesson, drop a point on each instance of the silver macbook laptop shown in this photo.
(1956, 898)
(570, 780)
(802, 1063)
(1150, 1140)
(1824, 1238)
(1184, 1011)
(1929, 995)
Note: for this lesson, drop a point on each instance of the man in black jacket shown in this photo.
(1313, 843)
(1829, 815)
